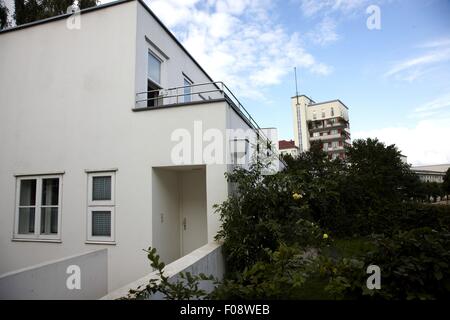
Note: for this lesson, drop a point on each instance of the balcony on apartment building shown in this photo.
(331, 123)
(335, 134)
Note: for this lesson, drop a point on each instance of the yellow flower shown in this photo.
(325, 236)
(297, 196)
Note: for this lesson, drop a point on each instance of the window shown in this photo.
(154, 68)
(323, 114)
(332, 112)
(101, 207)
(187, 90)
(314, 115)
(153, 80)
(38, 208)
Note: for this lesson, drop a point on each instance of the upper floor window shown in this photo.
(101, 207)
(154, 68)
(332, 112)
(187, 90)
(38, 207)
(323, 114)
(314, 115)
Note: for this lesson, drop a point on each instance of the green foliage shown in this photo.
(415, 264)
(3, 15)
(27, 11)
(184, 288)
(270, 222)
(346, 277)
(263, 212)
(446, 183)
(280, 277)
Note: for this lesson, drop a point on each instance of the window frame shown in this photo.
(150, 52)
(187, 97)
(37, 236)
(101, 205)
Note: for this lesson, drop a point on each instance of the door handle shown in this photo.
(184, 223)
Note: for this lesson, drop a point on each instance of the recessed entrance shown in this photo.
(179, 210)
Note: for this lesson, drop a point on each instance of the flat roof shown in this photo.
(103, 6)
(319, 103)
(329, 101)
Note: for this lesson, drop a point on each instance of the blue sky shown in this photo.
(395, 80)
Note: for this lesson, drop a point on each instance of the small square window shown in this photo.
(101, 188)
(101, 223)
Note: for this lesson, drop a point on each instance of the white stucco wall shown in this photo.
(299, 115)
(66, 105)
(339, 110)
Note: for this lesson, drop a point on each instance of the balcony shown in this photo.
(328, 137)
(197, 94)
(333, 123)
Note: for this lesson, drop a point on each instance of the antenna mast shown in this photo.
(296, 86)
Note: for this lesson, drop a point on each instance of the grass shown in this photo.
(313, 289)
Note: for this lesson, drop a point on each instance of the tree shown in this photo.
(377, 184)
(27, 11)
(446, 183)
(3, 15)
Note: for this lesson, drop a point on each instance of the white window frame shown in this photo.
(37, 236)
(161, 61)
(101, 205)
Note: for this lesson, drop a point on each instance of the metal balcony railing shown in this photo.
(198, 93)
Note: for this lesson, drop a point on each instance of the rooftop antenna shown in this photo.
(296, 86)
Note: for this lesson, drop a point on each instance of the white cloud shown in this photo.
(424, 144)
(238, 42)
(313, 7)
(436, 43)
(325, 32)
(411, 69)
(438, 103)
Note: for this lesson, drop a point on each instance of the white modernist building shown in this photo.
(431, 173)
(108, 139)
(327, 122)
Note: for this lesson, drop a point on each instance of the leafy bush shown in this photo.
(263, 212)
(414, 264)
(280, 277)
(186, 288)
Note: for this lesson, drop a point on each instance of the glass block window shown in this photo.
(101, 188)
(101, 223)
(101, 206)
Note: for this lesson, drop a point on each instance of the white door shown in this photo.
(193, 210)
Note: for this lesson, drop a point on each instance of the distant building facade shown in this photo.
(327, 122)
(433, 173)
(288, 147)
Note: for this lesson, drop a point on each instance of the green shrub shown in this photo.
(414, 264)
(184, 288)
(280, 277)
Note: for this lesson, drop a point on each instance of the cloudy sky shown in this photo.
(395, 81)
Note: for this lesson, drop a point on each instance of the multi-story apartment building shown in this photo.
(111, 136)
(327, 122)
